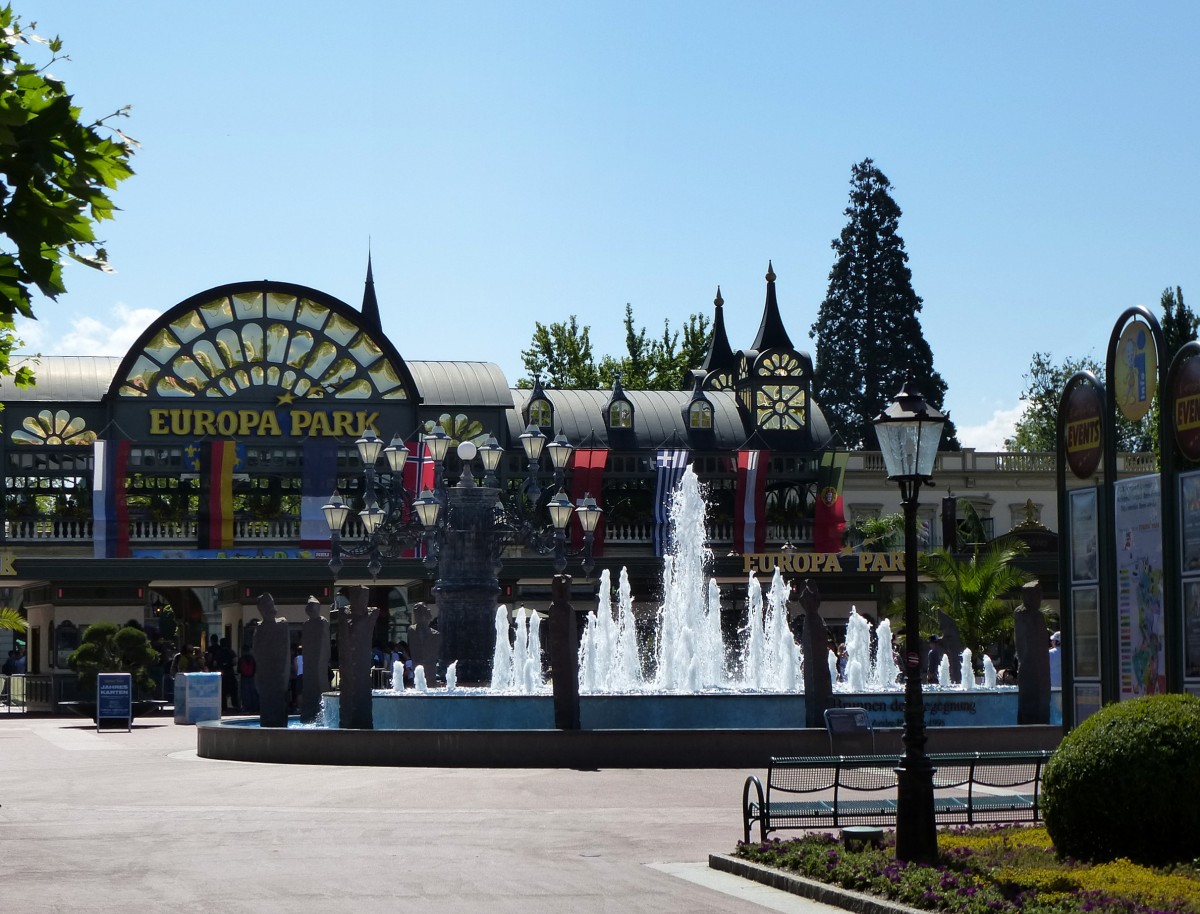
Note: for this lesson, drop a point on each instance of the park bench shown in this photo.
(845, 790)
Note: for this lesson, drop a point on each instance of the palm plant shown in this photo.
(973, 591)
(11, 620)
(878, 534)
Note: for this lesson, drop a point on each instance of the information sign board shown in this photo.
(114, 698)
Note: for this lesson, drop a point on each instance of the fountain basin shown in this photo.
(467, 709)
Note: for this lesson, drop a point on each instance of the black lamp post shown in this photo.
(909, 432)
(393, 520)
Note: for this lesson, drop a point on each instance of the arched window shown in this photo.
(620, 414)
(541, 413)
(700, 415)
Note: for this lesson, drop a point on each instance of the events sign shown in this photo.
(1140, 612)
(1185, 416)
(1083, 409)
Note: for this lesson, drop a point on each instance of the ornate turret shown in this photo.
(370, 304)
(771, 332)
(720, 362)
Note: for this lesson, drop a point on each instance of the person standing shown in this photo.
(1056, 661)
(933, 659)
(249, 691)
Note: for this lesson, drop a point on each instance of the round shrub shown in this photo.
(1126, 783)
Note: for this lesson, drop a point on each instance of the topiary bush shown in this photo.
(107, 648)
(1126, 783)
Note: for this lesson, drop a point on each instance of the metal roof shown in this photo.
(69, 378)
(657, 417)
(461, 384)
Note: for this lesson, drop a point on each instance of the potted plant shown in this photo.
(109, 648)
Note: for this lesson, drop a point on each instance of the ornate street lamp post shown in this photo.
(909, 432)
(464, 527)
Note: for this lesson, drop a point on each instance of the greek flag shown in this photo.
(670, 464)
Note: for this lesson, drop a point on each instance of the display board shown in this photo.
(114, 698)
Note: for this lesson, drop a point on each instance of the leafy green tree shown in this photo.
(561, 354)
(56, 170)
(1046, 379)
(1044, 384)
(1179, 322)
(107, 648)
(973, 591)
(868, 332)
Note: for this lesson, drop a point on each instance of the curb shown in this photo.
(847, 899)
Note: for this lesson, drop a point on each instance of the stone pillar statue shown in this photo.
(952, 647)
(354, 660)
(272, 664)
(814, 642)
(1033, 658)
(316, 661)
(564, 654)
(424, 642)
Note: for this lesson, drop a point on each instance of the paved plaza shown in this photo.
(123, 821)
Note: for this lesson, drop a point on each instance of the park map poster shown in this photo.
(1140, 615)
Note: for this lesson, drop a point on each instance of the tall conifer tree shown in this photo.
(868, 333)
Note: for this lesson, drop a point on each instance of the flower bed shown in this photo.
(1001, 870)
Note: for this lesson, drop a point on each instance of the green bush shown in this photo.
(107, 648)
(1126, 783)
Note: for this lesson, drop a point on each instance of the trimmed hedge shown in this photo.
(1126, 783)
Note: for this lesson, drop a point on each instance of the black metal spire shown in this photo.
(720, 353)
(370, 304)
(771, 332)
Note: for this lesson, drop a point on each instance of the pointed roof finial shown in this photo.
(370, 304)
(720, 353)
(771, 332)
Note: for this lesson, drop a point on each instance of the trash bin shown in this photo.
(197, 697)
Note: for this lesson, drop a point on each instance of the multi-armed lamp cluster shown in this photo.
(394, 521)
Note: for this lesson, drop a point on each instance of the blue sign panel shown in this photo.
(114, 698)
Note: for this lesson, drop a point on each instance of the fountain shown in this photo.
(690, 700)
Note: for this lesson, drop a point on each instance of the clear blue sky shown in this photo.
(514, 162)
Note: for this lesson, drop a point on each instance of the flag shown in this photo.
(318, 480)
(110, 509)
(671, 463)
(829, 517)
(418, 476)
(750, 503)
(217, 462)
(587, 478)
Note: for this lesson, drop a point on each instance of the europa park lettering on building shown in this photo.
(823, 562)
(263, 423)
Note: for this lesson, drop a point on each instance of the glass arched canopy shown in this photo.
(263, 339)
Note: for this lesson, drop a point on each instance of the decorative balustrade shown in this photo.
(143, 532)
(282, 531)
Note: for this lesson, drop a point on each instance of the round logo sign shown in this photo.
(1135, 374)
(1185, 410)
(1082, 429)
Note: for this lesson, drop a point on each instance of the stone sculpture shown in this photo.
(272, 664)
(354, 660)
(315, 641)
(1033, 658)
